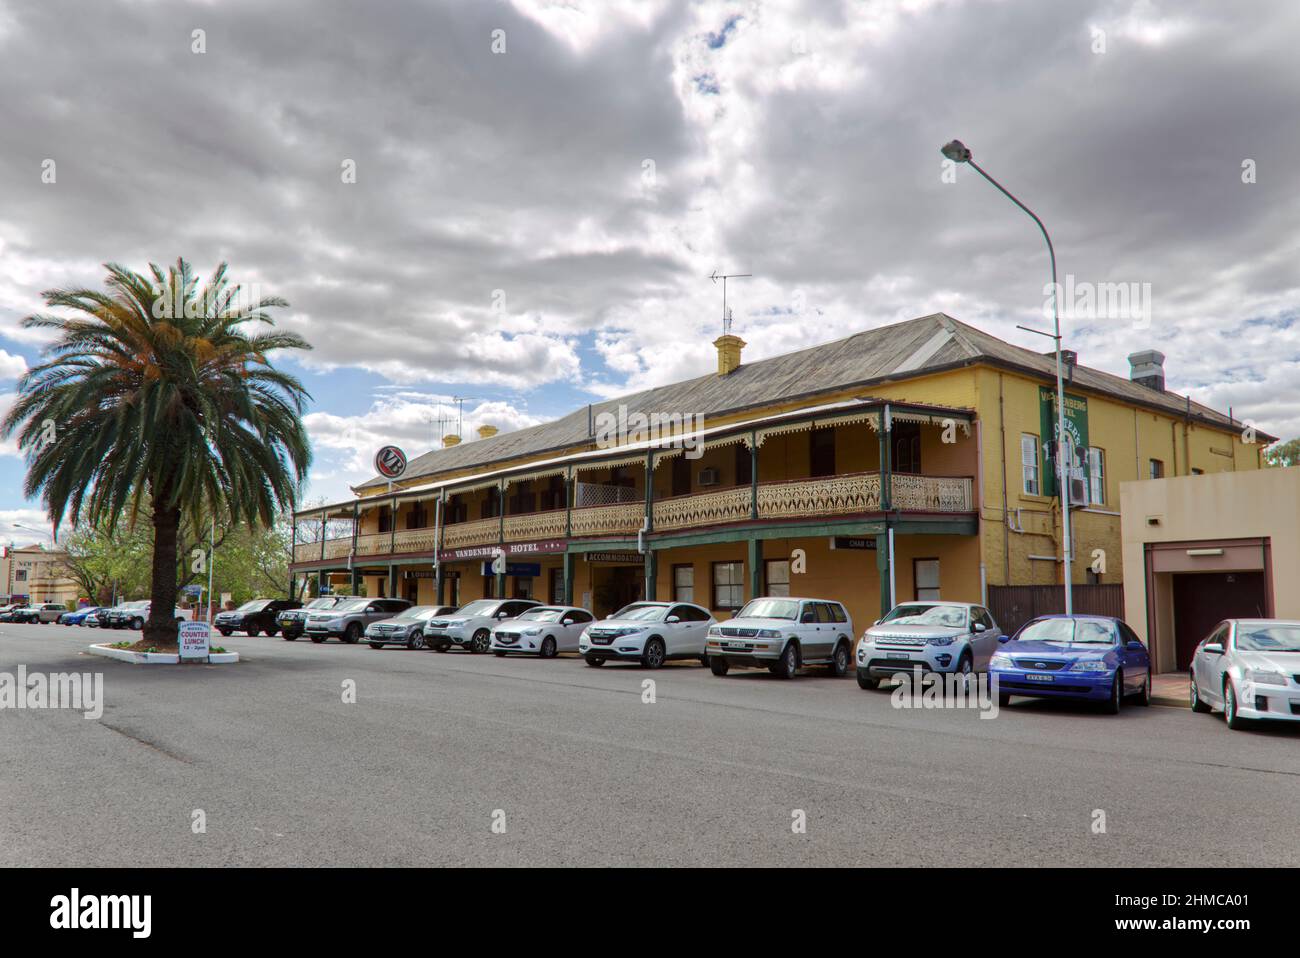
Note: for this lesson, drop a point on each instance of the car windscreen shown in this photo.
(254, 605)
(419, 613)
(479, 607)
(769, 609)
(1068, 632)
(1268, 638)
(355, 605)
(542, 615)
(949, 616)
(641, 613)
(325, 602)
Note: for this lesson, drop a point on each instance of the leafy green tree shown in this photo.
(154, 391)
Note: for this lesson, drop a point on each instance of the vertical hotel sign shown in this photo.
(1076, 428)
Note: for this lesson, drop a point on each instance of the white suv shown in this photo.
(781, 634)
(650, 633)
(471, 625)
(933, 635)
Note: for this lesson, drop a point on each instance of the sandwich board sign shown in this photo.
(193, 641)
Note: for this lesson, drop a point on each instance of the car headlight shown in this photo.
(769, 634)
(532, 631)
(1265, 677)
(1090, 665)
(1001, 660)
(715, 630)
(941, 640)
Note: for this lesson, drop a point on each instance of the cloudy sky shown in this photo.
(542, 187)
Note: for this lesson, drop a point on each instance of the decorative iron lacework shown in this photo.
(536, 525)
(710, 508)
(931, 493)
(832, 495)
(608, 520)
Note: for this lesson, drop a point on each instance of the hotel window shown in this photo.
(744, 465)
(385, 519)
(453, 590)
(1096, 476)
(1029, 464)
(552, 497)
(821, 452)
(683, 583)
(681, 475)
(524, 499)
(907, 447)
(925, 576)
(418, 517)
(491, 505)
(457, 509)
(1157, 469)
(776, 576)
(557, 587)
(728, 585)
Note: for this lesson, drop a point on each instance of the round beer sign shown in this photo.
(390, 462)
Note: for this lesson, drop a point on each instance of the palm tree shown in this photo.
(154, 396)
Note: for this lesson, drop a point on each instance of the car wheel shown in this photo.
(1144, 697)
(719, 666)
(595, 661)
(840, 660)
(442, 647)
(479, 644)
(225, 632)
(352, 634)
(289, 638)
(498, 653)
(1116, 694)
(416, 641)
(548, 648)
(788, 664)
(254, 633)
(1230, 707)
(966, 669)
(1195, 695)
(376, 645)
(318, 639)
(865, 681)
(271, 632)
(654, 654)
(137, 624)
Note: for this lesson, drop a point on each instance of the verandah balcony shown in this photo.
(841, 495)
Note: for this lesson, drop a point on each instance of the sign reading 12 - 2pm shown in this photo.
(1076, 427)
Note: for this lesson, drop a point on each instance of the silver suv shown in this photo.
(348, 620)
(781, 634)
(935, 636)
(471, 625)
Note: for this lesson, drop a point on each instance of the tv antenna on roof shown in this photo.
(460, 412)
(726, 313)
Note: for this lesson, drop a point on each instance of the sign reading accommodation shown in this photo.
(390, 462)
(193, 641)
(1076, 429)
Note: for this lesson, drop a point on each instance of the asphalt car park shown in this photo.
(589, 769)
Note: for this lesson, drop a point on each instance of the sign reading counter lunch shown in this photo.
(193, 641)
(1076, 428)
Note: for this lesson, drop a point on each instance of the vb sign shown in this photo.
(390, 462)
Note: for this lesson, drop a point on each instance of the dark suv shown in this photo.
(293, 622)
(255, 617)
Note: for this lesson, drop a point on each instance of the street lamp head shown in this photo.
(956, 151)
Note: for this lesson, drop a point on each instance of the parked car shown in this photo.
(544, 631)
(43, 613)
(347, 621)
(254, 617)
(293, 622)
(1250, 670)
(935, 636)
(1090, 657)
(8, 612)
(80, 616)
(132, 615)
(407, 628)
(471, 625)
(649, 632)
(781, 634)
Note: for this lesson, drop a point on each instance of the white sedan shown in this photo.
(544, 631)
(1248, 669)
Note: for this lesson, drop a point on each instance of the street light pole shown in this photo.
(959, 153)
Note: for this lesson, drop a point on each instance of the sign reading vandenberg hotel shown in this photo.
(1076, 426)
(510, 549)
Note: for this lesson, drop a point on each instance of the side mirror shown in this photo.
(1136, 646)
(1004, 638)
(672, 619)
(1214, 648)
(981, 627)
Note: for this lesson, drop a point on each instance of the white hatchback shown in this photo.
(544, 631)
(650, 633)
(1249, 669)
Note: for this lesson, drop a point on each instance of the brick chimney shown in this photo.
(450, 440)
(729, 348)
(1148, 369)
(487, 432)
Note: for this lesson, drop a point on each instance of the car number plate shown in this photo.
(1039, 678)
(896, 655)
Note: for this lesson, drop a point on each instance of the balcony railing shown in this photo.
(841, 495)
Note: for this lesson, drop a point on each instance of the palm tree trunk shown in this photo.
(160, 628)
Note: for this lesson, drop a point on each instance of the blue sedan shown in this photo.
(1089, 657)
(78, 617)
